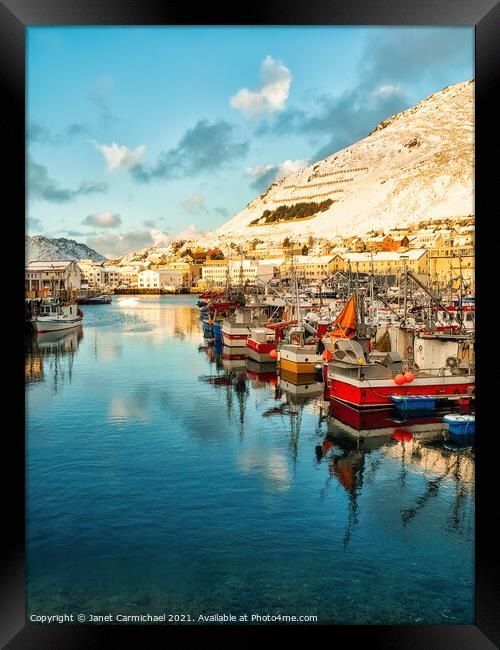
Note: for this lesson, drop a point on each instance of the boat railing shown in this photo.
(445, 372)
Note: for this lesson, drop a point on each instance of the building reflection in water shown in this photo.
(163, 318)
(51, 353)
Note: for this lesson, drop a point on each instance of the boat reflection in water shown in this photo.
(55, 351)
(360, 442)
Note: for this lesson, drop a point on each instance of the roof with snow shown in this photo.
(392, 256)
(49, 265)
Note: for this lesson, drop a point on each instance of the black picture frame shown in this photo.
(15, 16)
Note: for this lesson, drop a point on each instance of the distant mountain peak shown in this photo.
(39, 247)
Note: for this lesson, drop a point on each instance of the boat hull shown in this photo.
(376, 393)
(260, 352)
(299, 359)
(235, 339)
(45, 325)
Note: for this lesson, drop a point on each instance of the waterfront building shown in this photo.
(53, 275)
(215, 272)
(127, 275)
(191, 272)
(159, 279)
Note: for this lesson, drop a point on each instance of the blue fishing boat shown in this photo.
(414, 402)
(217, 330)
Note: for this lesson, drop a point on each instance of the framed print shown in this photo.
(249, 327)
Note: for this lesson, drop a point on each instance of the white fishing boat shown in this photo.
(55, 316)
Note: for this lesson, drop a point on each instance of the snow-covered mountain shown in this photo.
(46, 248)
(414, 166)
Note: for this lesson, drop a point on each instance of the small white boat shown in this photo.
(55, 316)
(102, 299)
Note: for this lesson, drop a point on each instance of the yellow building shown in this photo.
(389, 263)
(191, 273)
(312, 268)
(448, 263)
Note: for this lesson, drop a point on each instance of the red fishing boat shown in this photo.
(356, 378)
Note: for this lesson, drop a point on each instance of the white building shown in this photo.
(215, 272)
(250, 272)
(159, 279)
(53, 275)
(98, 275)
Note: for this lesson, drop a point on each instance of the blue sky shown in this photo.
(139, 135)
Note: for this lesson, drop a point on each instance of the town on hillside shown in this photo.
(439, 252)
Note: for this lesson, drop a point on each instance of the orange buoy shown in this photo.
(409, 376)
(273, 354)
(399, 380)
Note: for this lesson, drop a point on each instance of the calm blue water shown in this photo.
(162, 478)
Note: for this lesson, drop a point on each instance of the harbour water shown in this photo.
(163, 478)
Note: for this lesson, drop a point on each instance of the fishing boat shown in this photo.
(55, 316)
(299, 353)
(296, 355)
(259, 345)
(102, 299)
(364, 380)
(358, 380)
(237, 328)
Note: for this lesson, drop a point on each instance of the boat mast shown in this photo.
(294, 272)
(405, 297)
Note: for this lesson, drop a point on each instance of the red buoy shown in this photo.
(399, 435)
(273, 354)
(399, 380)
(409, 376)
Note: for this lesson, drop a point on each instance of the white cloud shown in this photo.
(272, 93)
(259, 170)
(114, 245)
(117, 156)
(118, 244)
(388, 90)
(103, 220)
(290, 167)
(264, 175)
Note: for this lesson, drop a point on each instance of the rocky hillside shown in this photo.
(414, 166)
(46, 248)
